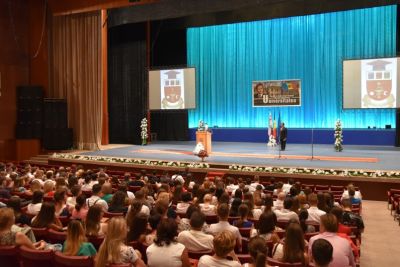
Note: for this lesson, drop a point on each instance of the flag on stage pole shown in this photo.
(279, 125)
(270, 125)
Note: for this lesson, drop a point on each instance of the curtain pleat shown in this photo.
(76, 74)
(311, 48)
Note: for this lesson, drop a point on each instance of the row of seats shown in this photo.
(393, 203)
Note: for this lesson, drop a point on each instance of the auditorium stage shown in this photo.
(259, 154)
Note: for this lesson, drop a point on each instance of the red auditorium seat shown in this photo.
(72, 261)
(273, 262)
(245, 232)
(9, 256)
(210, 219)
(40, 233)
(319, 188)
(119, 265)
(96, 241)
(244, 258)
(307, 236)
(134, 188)
(110, 214)
(197, 254)
(337, 188)
(36, 258)
(55, 237)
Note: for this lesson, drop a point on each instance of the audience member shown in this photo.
(258, 251)
(166, 251)
(46, 218)
(224, 244)
(36, 204)
(314, 213)
(113, 248)
(95, 198)
(94, 224)
(322, 253)
(342, 253)
(350, 218)
(266, 227)
(117, 204)
(81, 209)
(137, 228)
(286, 213)
(76, 243)
(194, 239)
(243, 222)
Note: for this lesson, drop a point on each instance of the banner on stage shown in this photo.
(276, 93)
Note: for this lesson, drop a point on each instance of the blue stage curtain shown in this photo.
(311, 48)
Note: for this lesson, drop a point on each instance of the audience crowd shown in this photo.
(153, 220)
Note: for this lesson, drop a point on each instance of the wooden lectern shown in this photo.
(205, 138)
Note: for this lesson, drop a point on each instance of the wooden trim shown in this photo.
(104, 77)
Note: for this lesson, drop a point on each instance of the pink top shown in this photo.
(342, 253)
(81, 214)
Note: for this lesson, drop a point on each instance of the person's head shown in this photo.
(312, 200)
(190, 210)
(281, 196)
(93, 219)
(207, 198)
(282, 124)
(118, 199)
(258, 250)
(96, 189)
(110, 249)
(293, 191)
(243, 211)
(167, 231)
(259, 88)
(338, 212)
(322, 252)
(223, 212)
(294, 246)
(137, 227)
(197, 220)
(7, 218)
(329, 223)
(35, 186)
(266, 222)
(15, 203)
(302, 200)
(288, 203)
(238, 193)
(154, 220)
(75, 237)
(224, 198)
(352, 192)
(45, 216)
(346, 203)
(186, 197)
(268, 202)
(76, 190)
(60, 196)
(80, 202)
(48, 186)
(224, 242)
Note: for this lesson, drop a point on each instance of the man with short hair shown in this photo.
(322, 252)
(342, 253)
(350, 218)
(95, 198)
(223, 224)
(314, 213)
(286, 214)
(278, 203)
(194, 239)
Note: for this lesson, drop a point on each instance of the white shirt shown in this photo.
(131, 195)
(357, 194)
(231, 187)
(196, 240)
(98, 201)
(278, 204)
(222, 226)
(314, 214)
(182, 207)
(210, 261)
(253, 187)
(144, 210)
(177, 177)
(257, 213)
(286, 188)
(207, 209)
(165, 256)
(286, 215)
(34, 208)
(71, 201)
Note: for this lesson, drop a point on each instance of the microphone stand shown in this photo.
(312, 145)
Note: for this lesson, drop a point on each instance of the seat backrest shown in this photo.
(273, 262)
(197, 254)
(210, 219)
(36, 258)
(9, 256)
(119, 265)
(245, 232)
(96, 241)
(282, 223)
(40, 233)
(56, 237)
(244, 258)
(111, 214)
(72, 261)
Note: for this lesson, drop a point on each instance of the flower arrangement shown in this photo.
(272, 141)
(144, 134)
(338, 136)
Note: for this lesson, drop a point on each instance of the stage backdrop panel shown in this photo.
(309, 48)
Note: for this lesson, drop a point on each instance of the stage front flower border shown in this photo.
(236, 167)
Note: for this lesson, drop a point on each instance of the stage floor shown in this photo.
(258, 154)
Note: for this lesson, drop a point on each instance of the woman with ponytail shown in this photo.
(258, 250)
(80, 211)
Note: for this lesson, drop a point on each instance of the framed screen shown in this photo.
(371, 83)
(172, 89)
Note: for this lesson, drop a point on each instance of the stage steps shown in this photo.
(39, 159)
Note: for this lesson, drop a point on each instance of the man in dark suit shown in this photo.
(283, 136)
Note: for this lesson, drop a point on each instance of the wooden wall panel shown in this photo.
(14, 68)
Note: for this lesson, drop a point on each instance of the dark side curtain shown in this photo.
(127, 86)
(170, 125)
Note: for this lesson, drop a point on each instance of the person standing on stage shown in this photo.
(283, 136)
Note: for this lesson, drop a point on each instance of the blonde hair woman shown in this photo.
(75, 244)
(113, 249)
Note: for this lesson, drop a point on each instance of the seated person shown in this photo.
(195, 239)
(258, 251)
(243, 222)
(47, 218)
(81, 209)
(113, 248)
(207, 208)
(322, 253)
(94, 224)
(181, 207)
(9, 238)
(350, 218)
(117, 204)
(286, 214)
(224, 244)
(75, 244)
(34, 207)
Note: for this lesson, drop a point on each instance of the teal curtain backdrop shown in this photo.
(311, 48)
